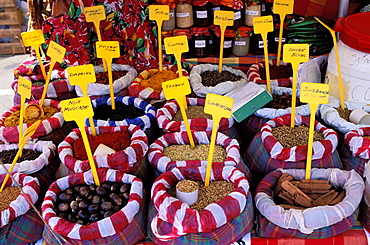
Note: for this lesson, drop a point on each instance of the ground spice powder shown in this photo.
(8, 195)
(289, 137)
(193, 111)
(13, 119)
(155, 81)
(199, 152)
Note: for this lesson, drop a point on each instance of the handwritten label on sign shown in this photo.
(224, 18)
(77, 108)
(81, 74)
(95, 13)
(33, 38)
(159, 12)
(218, 104)
(24, 87)
(108, 49)
(56, 52)
(317, 93)
(296, 52)
(263, 24)
(176, 87)
(283, 6)
(176, 45)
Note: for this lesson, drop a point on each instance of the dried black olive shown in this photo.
(107, 214)
(117, 200)
(94, 217)
(83, 214)
(116, 209)
(77, 187)
(124, 188)
(63, 207)
(101, 191)
(80, 222)
(63, 216)
(84, 191)
(83, 205)
(92, 187)
(115, 187)
(69, 191)
(74, 205)
(72, 218)
(106, 206)
(104, 199)
(95, 199)
(64, 197)
(106, 185)
(126, 195)
(93, 208)
(79, 198)
(90, 197)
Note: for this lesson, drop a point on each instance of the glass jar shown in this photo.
(199, 42)
(184, 15)
(256, 44)
(273, 37)
(238, 21)
(228, 43)
(251, 12)
(202, 13)
(169, 25)
(183, 32)
(241, 41)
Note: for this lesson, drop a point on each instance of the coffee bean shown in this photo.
(212, 78)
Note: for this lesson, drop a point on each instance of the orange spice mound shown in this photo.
(155, 81)
(13, 119)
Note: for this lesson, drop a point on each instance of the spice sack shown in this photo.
(365, 204)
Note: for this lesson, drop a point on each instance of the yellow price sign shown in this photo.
(95, 13)
(223, 19)
(295, 53)
(218, 106)
(24, 89)
(314, 94)
(78, 110)
(82, 76)
(56, 52)
(33, 38)
(177, 46)
(159, 13)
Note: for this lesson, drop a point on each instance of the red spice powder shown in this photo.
(115, 140)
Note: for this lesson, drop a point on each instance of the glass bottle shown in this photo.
(228, 43)
(202, 13)
(169, 25)
(184, 15)
(251, 12)
(241, 41)
(199, 42)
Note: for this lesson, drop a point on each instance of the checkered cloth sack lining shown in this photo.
(102, 228)
(320, 149)
(20, 206)
(221, 88)
(136, 90)
(47, 149)
(163, 163)
(104, 89)
(312, 223)
(168, 111)
(352, 162)
(186, 220)
(358, 144)
(254, 75)
(230, 232)
(123, 160)
(143, 122)
(11, 134)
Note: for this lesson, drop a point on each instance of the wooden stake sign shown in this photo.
(263, 25)
(109, 50)
(78, 110)
(218, 106)
(177, 89)
(159, 13)
(314, 94)
(82, 76)
(223, 19)
(24, 90)
(27, 134)
(282, 7)
(35, 39)
(332, 32)
(295, 54)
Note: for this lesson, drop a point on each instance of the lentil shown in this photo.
(122, 112)
(13, 119)
(277, 72)
(8, 195)
(289, 137)
(199, 152)
(193, 111)
(187, 186)
(214, 192)
(7, 156)
(344, 113)
(282, 101)
(212, 78)
(102, 77)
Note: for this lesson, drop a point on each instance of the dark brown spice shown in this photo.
(102, 77)
(8, 195)
(277, 72)
(122, 111)
(289, 137)
(343, 113)
(7, 156)
(212, 78)
(282, 101)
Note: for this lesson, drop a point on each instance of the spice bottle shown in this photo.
(184, 14)
(168, 25)
(228, 42)
(252, 10)
(199, 42)
(202, 13)
(241, 41)
(183, 32)
(236, 6)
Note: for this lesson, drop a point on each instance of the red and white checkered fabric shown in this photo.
(20, 206)
(102, 228)
(123, 160)
(357, 143)
(136, 90)
(254, 75)
(320, 149)
(186, 220)
(163, 163)
(167, 112)
(11, 134)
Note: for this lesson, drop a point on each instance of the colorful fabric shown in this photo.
(230, 232)
(327, 9)
(260, 162)
(181, 32)
(198, 31)
(320, 149)
(46, 148)
(163, 163)
(339, 221)
(59, 134)
(19, 206)
(234, 4)
(244, 31)
(46, 175)
(254, 75)
(144, 122)
(201, 2)
(167, 112)
(139, 91)
(351, 162)
(104, 228)
(185, 220)
(170, 3)
(11, 134)
(358, 144)
(123, 160)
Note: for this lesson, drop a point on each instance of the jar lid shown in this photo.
(198, 31)
(354, 32)
(170, 3)
(200, 2)
(183, 1)
(234, 4)
(244, 31)
(166, 34)
(228, 32)
(253, 2)
(180, 32)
